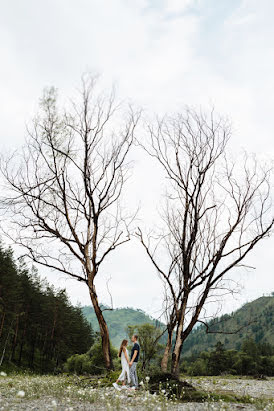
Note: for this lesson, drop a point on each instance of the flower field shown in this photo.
(34, 392)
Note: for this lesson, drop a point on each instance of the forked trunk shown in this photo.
(164, 362)
(103, 329)
(177, 351)
(179, 340)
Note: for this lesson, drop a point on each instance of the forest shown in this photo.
(39, 327)
(253, 320)
(252, 359)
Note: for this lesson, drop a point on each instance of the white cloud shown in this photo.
(176, 6)
(161, 54)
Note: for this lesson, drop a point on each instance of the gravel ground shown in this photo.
(43, 404)
(59, 393)
(240, 386)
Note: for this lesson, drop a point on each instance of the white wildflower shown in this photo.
(147, 379)
(141, 382)
(20, 394)
(3, 374)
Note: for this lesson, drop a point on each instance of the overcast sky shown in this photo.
(161, 54)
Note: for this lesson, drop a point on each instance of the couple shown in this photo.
(128, 367)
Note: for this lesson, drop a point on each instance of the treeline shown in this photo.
(255, 319)
(252, 359)
(39, 328)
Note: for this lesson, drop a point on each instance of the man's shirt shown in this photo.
(136, 347)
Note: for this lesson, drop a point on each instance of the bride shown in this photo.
(123, 354)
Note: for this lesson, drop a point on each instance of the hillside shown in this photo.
(260, 310)
(118, 320)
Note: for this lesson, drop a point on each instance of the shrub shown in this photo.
(173, 388)
(91, 362)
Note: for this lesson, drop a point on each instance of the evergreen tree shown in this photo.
(39, 328)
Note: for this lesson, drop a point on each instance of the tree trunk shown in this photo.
(103, 328)
(2, 323)
(177, 350)
(5, 344)
(20, 353)
(14, 339)
(32, 353)
(179, 340)
(23, 338)
(164, 361)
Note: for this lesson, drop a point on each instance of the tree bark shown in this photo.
(15, 339)
(177, 350)
(23, 339)
(103, 328)
(164, 362)
(5, 344)
(2, 323)
(179, 339)
(32, 352)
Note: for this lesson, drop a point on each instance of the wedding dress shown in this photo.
(125, 368)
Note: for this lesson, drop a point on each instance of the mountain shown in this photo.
(117, 321)
(259, 313)
(254, 319)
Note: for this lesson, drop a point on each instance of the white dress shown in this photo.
(125, 368)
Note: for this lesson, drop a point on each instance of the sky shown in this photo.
(161, 55)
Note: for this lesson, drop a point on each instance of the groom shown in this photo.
(134, 357)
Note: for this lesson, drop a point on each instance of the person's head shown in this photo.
(134, 338)
(123, 344)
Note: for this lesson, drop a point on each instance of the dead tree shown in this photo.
(216, 211)
(63, 190)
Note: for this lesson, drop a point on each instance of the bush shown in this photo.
(91, 362)
(173, 388)
(78, 363)
(199, 367)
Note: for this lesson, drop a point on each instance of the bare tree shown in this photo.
(64, 188)
(216, 211)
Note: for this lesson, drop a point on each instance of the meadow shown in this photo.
(64, 392)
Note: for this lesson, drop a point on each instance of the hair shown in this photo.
(135, 336)
(123, 344)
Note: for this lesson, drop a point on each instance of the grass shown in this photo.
(70, 390)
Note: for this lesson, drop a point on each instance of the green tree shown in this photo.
(217, 360)
(148, 336)
(91, 362)
(39, 328)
